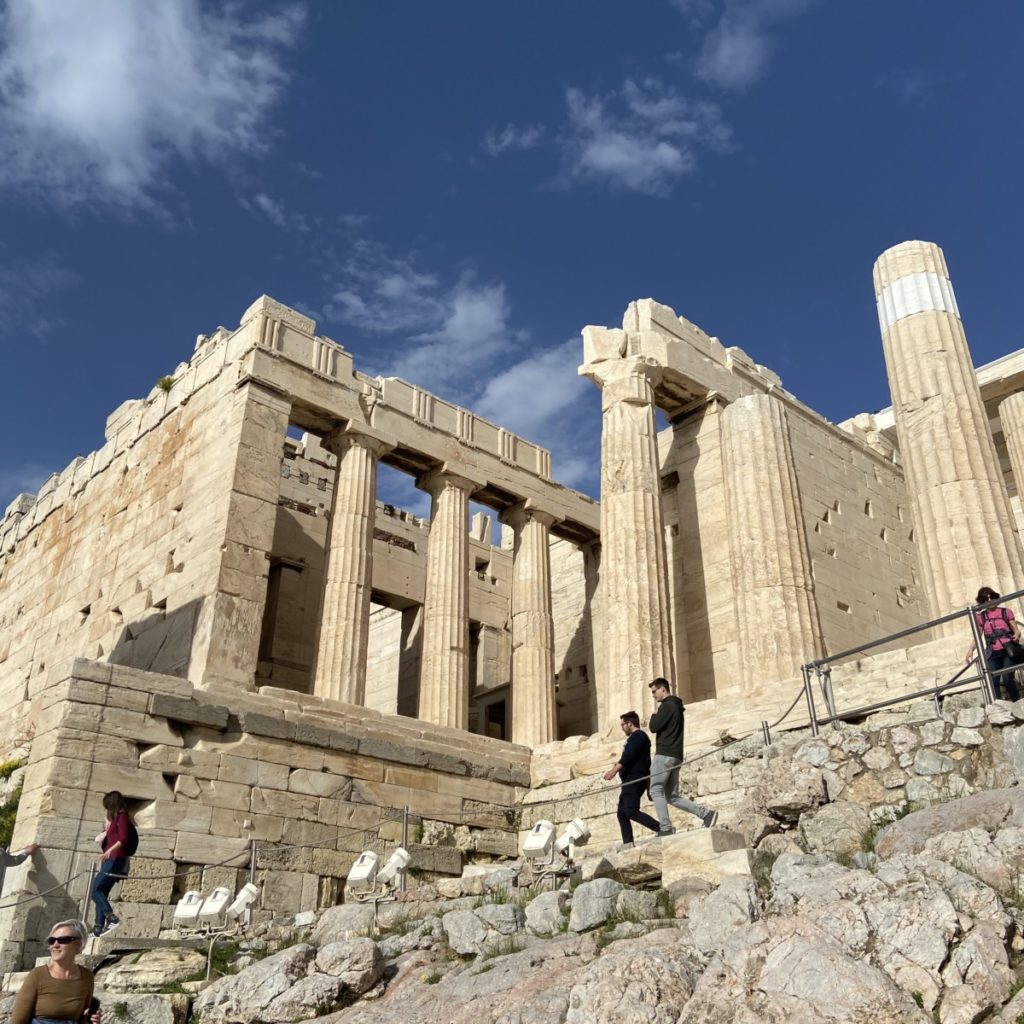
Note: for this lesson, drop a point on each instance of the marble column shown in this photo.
(345, 610)
(777, 619)
(444, 664)
(965, 531)
(1011, 417)
(534, 716)
(637, 627)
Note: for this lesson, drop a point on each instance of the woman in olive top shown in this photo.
(60, 990)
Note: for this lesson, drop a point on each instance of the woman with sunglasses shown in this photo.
(60, 990)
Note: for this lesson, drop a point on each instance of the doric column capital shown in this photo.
(441, 478)
(338, 441)
(631, 381)
(526, 511)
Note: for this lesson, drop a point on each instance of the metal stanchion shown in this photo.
(405, 843)
(987, 687)
(766, 733)
(809, 694)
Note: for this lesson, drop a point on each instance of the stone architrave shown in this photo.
(777, 618)
(345, 610)
(444, 660)
(963, 523)
(637, 626)
(534, 717)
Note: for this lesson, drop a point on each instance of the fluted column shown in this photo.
(777, 620)
(637, 628)
(963, 524)
(345, 616)
(1011, 416)
(534, 717)
(444, 665)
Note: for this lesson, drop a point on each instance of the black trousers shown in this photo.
(629, 810)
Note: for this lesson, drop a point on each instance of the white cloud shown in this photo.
(385, 294)
(738, 49)
(96, 99)
(543, 399)
(25, 478)
(451, 328)
(276, 212)
(510, 137)
(642, 138)
(27, 292)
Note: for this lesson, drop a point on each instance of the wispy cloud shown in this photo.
(97, 99)
(27, 292)
(276, 212)
(909, 85)
(456, 336)
(543, 398)
(22, 478)
(512, 137)
(737, 50)
(643, 138)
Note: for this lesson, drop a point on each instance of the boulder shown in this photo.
(788, 788)
(837, 828)
(545, 915)
(633, 982)
(346, 921)
(593, 903)
(989, 810)
(153, 969)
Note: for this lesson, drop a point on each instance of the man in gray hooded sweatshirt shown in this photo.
(667, 726)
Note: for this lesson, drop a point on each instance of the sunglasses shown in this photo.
(62, 939)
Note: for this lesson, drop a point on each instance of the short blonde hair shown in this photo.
(72, 926)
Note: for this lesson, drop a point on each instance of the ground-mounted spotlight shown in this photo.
(362, 876)
(186, 911)
(211, 913)
(537, 844)
(245, 898)
(396, 864)
(574, 834)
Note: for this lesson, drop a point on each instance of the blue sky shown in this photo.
(453, 189)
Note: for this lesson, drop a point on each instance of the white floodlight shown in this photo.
(186, 913)
(538, 843)
(246, 896)
(397, 863)
(575, 833)
(211, 914)
(362, 875)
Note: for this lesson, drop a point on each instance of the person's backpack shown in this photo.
(995, 625)
(131, 844)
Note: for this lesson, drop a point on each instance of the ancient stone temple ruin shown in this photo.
(213, 612)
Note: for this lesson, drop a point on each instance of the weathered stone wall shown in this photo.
(859, 534)
(207, 773)
(118, 553)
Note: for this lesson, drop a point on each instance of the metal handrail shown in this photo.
(822, 668)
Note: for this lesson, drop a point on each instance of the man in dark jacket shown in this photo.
(667, 726)
(633, 768)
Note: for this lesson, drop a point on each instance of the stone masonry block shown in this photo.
(192, 848)
(148, 882)
(443, 860)
(265, 725)
(181, 709)
(711, 854)
(387, 750)
(199, 764)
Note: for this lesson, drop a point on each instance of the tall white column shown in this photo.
(963, 524)
(345, 615)
(1011, 417)
(444, 665)
(777, 619)
(637, 627)
(534, 719)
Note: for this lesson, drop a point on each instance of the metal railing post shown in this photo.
(252, 861)
(405, 843)
(809, 694)
(987, 686)
(766, 732)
